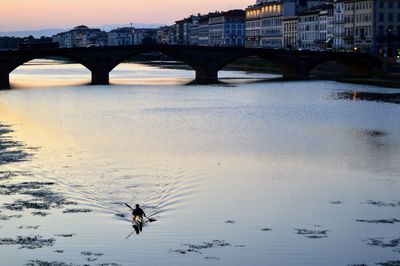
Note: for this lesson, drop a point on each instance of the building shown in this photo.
(121, 36)
(325, 27)
(253, 26)
(308, 29)
(166, 35)
(81, 36)
(372, 26)
(329, 25)
(227, 28)
(315, 28)
(358, 25)
(203, 31)
(338, 25)
(264, 20)
(271, 25)
(385, 28)
(187, 30)
(144, 36)
(194, 31)
(290, 32)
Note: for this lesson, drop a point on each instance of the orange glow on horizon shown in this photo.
(42, 14)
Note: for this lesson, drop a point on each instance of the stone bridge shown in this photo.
(205, 61)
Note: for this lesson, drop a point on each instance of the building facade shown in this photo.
(166, 35)
(203, 31)
(271, 25)
(358, 25)
(253, 26)
(338, 25)
(316, 28)
(325, 27)
(194, 31)
(144, 36)
(308, 30)
(264, 21)
(290, 32)
(121, 36)
(81, 36)
(386, 28)
(227, 28)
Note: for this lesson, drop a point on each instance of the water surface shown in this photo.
(246, 163)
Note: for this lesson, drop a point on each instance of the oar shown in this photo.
(150, 219)
(129, 206)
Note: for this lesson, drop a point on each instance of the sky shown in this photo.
(43, 14)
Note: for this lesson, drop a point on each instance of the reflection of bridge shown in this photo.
(206, 61)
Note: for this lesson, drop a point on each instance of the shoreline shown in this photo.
(256, 65)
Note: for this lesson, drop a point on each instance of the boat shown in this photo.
(138, 223)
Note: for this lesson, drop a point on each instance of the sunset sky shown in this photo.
(41, 14)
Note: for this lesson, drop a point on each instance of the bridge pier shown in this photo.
(298, 70)
(208, 75)
(100, 77)
(4, 81)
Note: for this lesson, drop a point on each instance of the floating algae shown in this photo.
(380, 221)
(266, 229)
(47, 263)
(65, 235)
(390, 263)
(91, 256)
(383, 204)
(313, 234)
(197, 248)
(28, 242)
(29, 227)
(336, 202)
(8, 217)
(43, 214)
(77, 210)
(8, 149)
(379, 242)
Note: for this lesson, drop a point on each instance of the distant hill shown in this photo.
(34, 33)
(108, 27)
(51, 32)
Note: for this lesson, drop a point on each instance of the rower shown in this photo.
(138, 212)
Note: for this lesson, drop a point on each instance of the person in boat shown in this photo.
(138, 212)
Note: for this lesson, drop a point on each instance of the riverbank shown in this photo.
(328, 71)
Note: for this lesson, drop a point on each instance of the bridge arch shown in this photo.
(274, 62)
(254, 63)
(73, 72)
(356, 66)
(13, 65)
(135, 57)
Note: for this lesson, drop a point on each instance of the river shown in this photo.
(248, 172)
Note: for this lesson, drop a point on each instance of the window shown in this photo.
(381, 30)
(381, 4)
(390, 17)
(391, 4)
(381, 17)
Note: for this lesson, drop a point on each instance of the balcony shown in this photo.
(338, 34)
(348, 37)
(337, 22)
